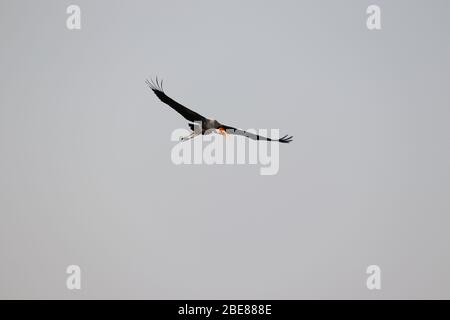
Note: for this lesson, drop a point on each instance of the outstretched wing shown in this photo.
(239, 132)
(185, 112)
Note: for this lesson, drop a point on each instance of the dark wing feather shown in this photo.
(185, 112)
(239, 132)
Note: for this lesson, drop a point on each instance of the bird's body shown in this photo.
(201, 125)
(207, 125)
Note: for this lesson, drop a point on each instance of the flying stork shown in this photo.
(207, 125)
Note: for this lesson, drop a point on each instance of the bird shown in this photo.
(201, 125)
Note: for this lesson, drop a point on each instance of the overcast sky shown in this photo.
(86, 175)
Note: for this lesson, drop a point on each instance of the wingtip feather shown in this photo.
(155, 85)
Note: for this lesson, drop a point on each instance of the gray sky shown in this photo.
(87, 179)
